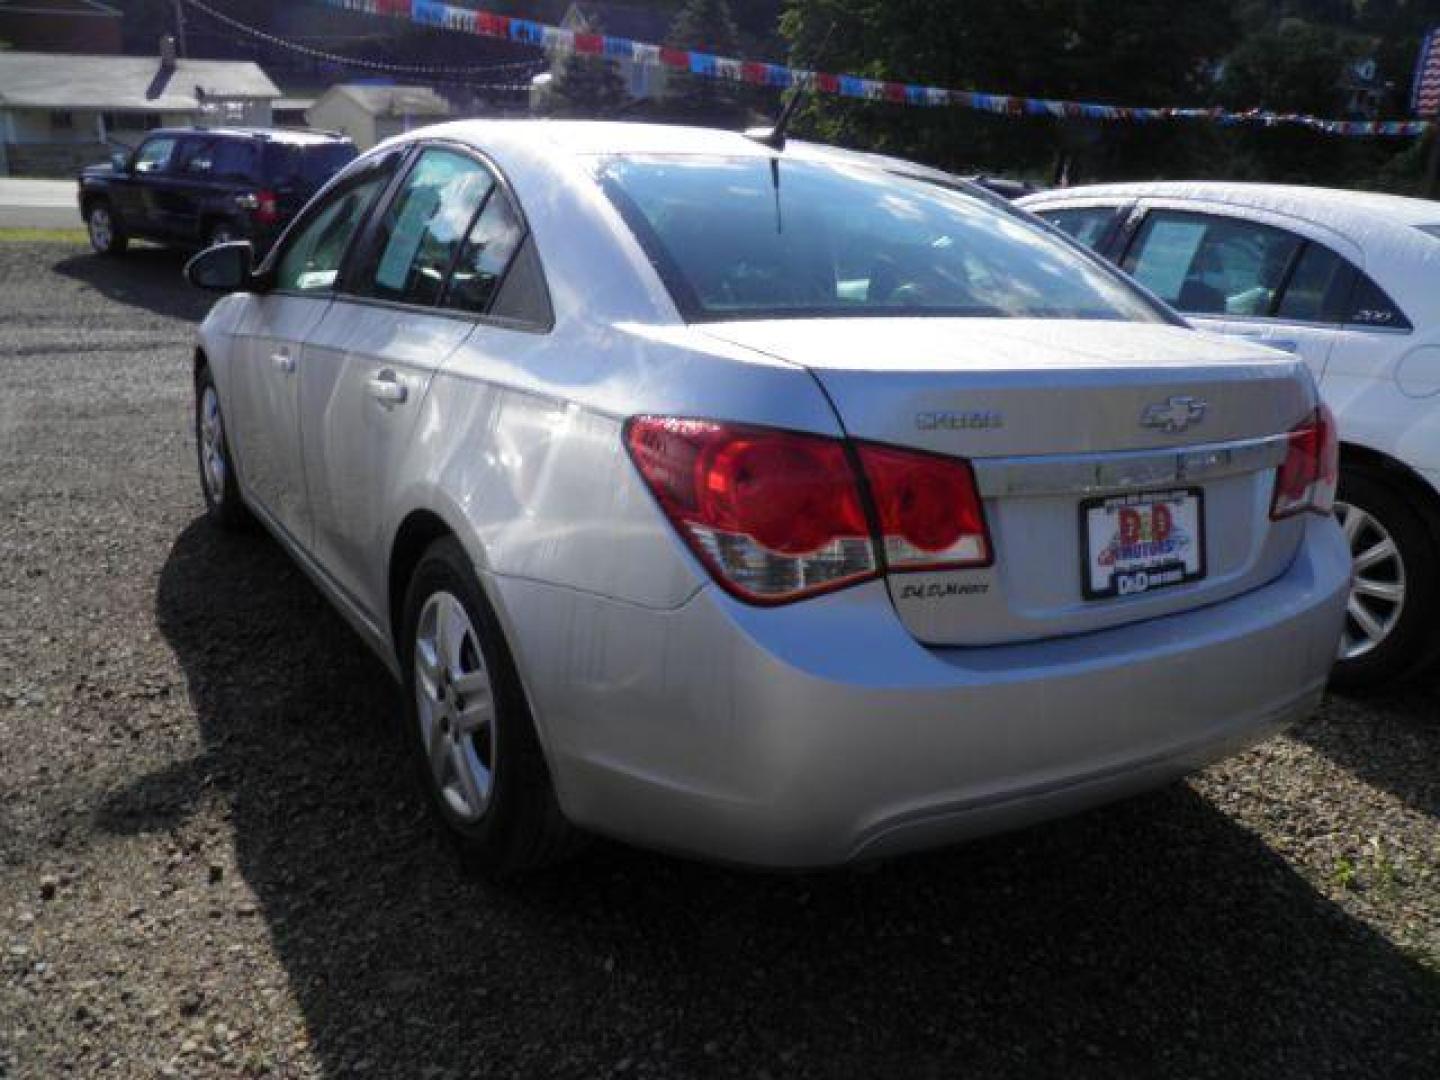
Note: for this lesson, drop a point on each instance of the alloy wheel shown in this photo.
(102, 229)
(212, 445)
(1377, 594)
(455, 703)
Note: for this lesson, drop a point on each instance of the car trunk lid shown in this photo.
(1061, 418)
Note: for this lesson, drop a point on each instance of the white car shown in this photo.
(1350, 282)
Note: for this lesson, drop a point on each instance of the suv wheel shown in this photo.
(217, 477)
(1390, 635)
(106, 236)
(468, 724)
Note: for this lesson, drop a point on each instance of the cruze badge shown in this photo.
(1174, 415)
(959, 421)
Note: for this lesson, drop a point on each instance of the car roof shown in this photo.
(1358, 209)
(586, 138)
(280, 135)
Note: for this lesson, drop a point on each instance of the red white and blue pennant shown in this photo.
(559, 41)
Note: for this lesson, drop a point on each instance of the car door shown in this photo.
(134, 190)
(181, 193)
(369, 361)
(264, 384)
(1228, 275)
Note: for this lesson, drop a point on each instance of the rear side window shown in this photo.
(1319, 289)
(523, 296)
(235, 160)
(1090, 224)
(1370, 307)
(307, 166)
(1206, 265)
(421, 234)
(487, 252)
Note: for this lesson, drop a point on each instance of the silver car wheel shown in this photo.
(1377, 594)
(102, 229)
(212, 445)
(455, 702)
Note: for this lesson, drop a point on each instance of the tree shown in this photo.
(705, 26)
(588, 86)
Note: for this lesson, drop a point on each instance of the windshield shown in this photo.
(757, 238)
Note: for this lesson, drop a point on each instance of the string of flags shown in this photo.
(558, 41)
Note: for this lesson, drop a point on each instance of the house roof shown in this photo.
(124, 83)
(392, 100)
(619, 20)
(59, 7)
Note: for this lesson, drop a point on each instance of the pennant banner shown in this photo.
(1425, 94)
(559, 41)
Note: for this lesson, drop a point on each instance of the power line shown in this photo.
(433, 71)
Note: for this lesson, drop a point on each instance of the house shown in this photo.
(61, 111)
(74, 26)
(626, 21)
(372, 114)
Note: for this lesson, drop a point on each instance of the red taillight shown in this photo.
(778, 515)
(929, 509)
(774, 515)
(1307, 478)
(267, 209)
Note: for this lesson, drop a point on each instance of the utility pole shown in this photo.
(180, 28)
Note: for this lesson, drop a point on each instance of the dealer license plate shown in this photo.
(1136, 544)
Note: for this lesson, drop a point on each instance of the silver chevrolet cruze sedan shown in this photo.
(780, 506)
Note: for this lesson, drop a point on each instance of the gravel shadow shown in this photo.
(1392, 743)
(144, 277)
(1152, 938)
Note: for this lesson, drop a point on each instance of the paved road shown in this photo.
(212, 863)
(38, 204)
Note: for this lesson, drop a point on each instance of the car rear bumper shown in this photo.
(822, 732)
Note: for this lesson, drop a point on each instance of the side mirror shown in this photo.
(120, 161)
(224, 268)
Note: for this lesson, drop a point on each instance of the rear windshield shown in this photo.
(307, 166)
(756, 238)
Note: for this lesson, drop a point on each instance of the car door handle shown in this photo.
(284, 363)
(387, 388)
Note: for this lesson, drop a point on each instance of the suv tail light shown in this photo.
(1307, 478)
(777, 515)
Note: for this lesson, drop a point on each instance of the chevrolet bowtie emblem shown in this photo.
(1174, 415)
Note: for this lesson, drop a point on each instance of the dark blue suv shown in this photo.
(192, 187)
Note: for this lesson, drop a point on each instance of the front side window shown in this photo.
(756, 237)
(420, 235)
(311, 259)
(1206, 265)
(1089, 224)
(155, 155)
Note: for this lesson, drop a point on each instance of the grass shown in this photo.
(43, 236)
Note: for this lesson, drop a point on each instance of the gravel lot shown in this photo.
(213, 864)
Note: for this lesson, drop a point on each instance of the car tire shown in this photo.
(106, 235)
(223, 503)
(1391, 635)
(468, 725)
